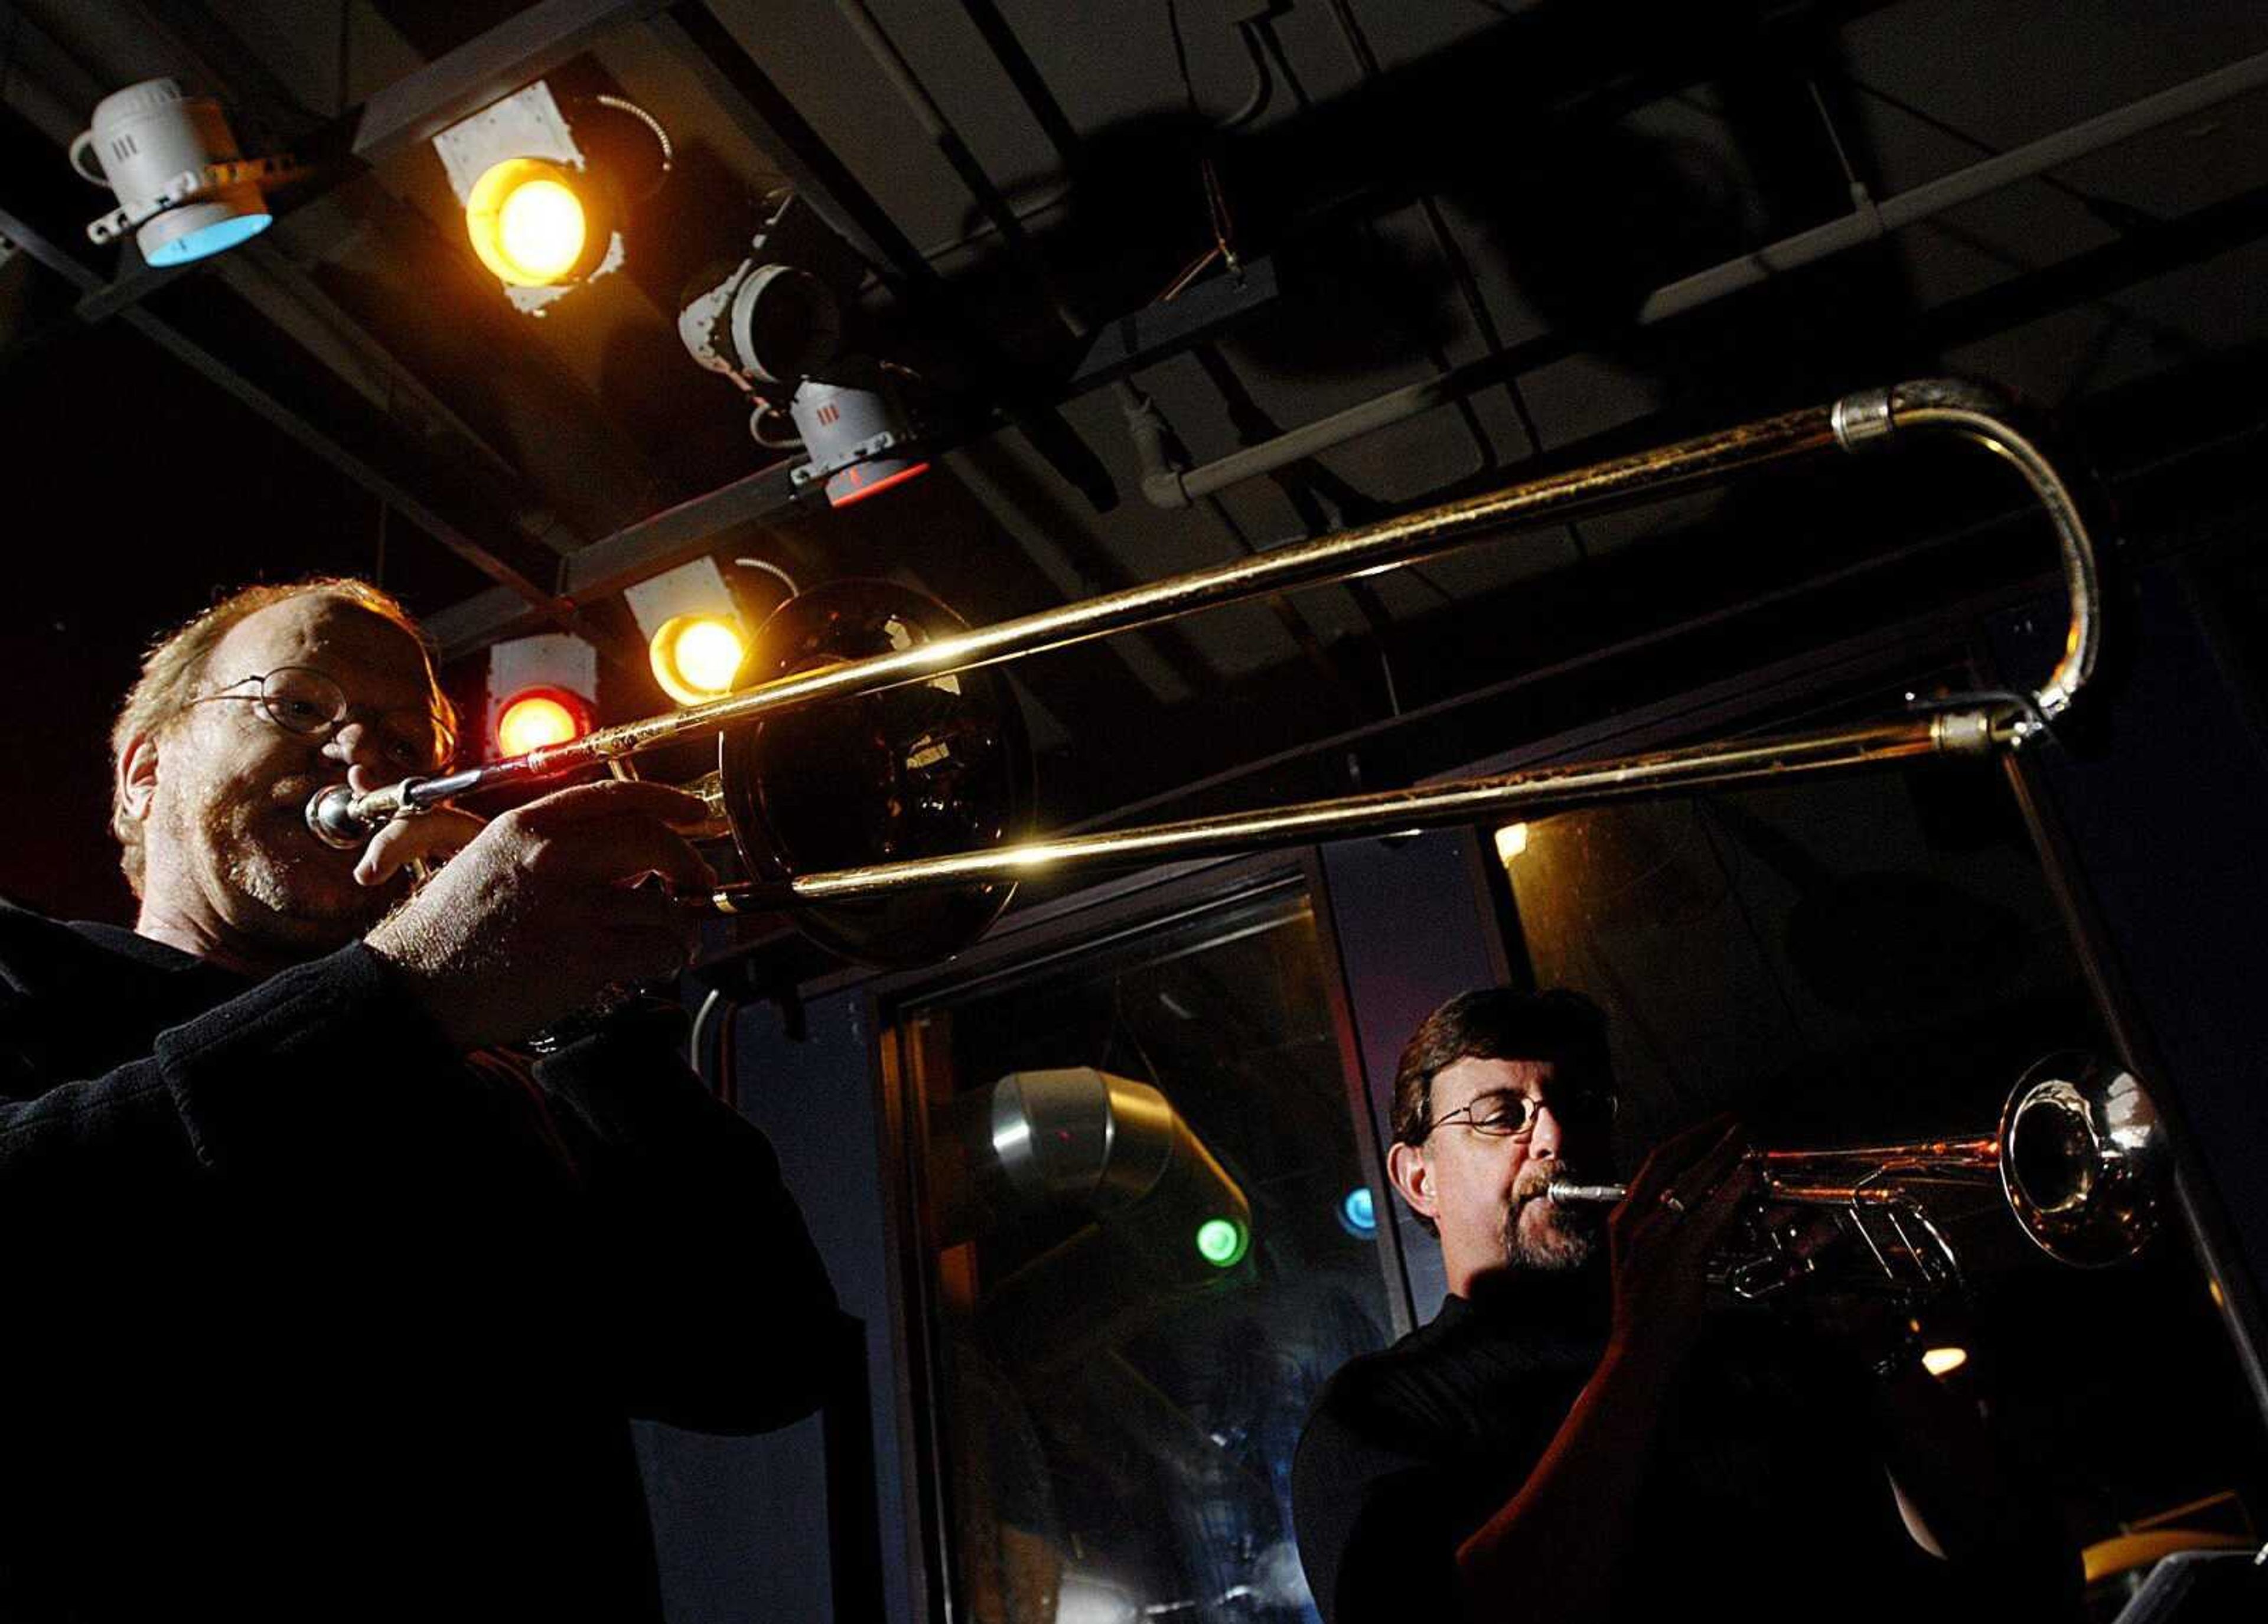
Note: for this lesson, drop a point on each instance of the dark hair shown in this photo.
(1498, 1023)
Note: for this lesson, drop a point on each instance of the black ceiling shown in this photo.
(1489, 193)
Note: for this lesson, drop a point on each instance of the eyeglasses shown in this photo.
(301, 700)
(1507, 1115)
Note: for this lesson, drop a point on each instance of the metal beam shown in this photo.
(1145, 336)
(669, 538)
(824, 181)
(420, 105)
(630, 555)
(732, 78)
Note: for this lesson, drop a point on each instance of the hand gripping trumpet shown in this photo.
(909, 839)
(2079, 1157)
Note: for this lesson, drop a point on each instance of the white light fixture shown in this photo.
(693, 630)
(184, 189)
(542, 690)
(542, 218)
(776, 328)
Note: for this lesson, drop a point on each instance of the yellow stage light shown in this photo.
(695, 656)
(537, 718)
(1944, 1360)
(532, 223)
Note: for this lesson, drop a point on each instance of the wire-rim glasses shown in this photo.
(310, 703)
(1505, 1113)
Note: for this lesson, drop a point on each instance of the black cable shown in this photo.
(346, 47)
(1460, 272)
(1181, 52)
(8, 50)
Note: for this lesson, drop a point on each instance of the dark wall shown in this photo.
(742, 1525)
(2159, 802)
(1411, 932)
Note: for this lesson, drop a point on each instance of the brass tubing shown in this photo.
(1800, 1178)
(1974, 415)
(1916, 1156)
(1554, 788)
(1854, 423)
(1386, 545)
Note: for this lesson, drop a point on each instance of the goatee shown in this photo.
(1565, 1239)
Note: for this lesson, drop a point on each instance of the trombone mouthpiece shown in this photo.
(331, 819)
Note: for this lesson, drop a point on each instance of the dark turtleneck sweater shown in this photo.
(311, 1318)
(1764, 1495)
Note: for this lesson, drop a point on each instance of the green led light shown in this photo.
(1223, 1241)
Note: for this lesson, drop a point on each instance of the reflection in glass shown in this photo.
(1871, 959)
(1140, 1175)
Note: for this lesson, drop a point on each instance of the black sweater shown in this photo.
(1763, 1497)
(306, 1316)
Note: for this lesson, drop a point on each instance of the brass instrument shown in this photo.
(2079, 1158)
(942, 736)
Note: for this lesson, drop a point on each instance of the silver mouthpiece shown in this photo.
(331, 819)
(1566, 1193)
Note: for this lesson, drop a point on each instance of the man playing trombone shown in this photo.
(324, 1302)
(1580, 1436)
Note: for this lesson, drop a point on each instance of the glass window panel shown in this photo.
(1131, 1320)
(1873, 958)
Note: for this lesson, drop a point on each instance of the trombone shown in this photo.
(856, 893)
(2079, 1158)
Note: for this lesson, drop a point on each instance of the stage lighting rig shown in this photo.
(542, 690)
(185, 190)
(543, 215)
(776, 328)
(694, 635)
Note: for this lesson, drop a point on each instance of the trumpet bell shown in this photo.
(2083, 1160)
(939, 765)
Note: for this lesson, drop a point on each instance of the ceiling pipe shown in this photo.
(1167, 487)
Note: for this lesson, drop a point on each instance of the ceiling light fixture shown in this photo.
(695, 656)
(542, 690)
(534, 717)
(185, 190)
(540, 214)
(776, 328)
(695, 637)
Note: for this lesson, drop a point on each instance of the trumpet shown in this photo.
(2079, 1158)
(911, 842)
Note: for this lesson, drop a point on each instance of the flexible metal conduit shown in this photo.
(1168, 487)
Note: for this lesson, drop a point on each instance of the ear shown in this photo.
(137, 776)
(1413, 1178)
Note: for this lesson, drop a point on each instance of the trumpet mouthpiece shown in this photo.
(1566, 1193)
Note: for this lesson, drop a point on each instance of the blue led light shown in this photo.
(210, 240)
(1358, 1214)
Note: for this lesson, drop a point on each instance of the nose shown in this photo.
(357, 743)
(1544, 1142)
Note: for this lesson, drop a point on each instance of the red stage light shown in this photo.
(533, 717)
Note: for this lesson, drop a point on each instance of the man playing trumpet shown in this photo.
(1578, 1436)
(325, 1302)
